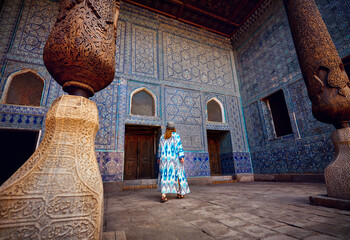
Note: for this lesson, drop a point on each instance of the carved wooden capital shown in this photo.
(80, 49)
(321, 66)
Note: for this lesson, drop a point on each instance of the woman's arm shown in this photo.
(180, 149)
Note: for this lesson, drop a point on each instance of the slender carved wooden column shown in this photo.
(58, 192)
(327, 86)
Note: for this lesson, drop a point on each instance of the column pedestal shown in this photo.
(58, 192)
(337, 174)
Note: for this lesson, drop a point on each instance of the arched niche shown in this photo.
(143, 102)
(215, 111)
(24, 87)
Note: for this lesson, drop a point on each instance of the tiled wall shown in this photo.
(266, 63)
(181, 65)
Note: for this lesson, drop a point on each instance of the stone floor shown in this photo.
(256, 210)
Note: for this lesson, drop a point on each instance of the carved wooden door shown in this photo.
(130, 165)
(139, 156)
(145, 156)
(214, 154)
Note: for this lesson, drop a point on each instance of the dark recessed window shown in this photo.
(214, 111)
(25, 89)
(142, 103)
(279, 112)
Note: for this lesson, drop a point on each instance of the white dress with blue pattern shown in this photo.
(170, 168)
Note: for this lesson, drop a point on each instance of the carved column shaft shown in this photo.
(58, 192)
(327, 86)
(321, 66)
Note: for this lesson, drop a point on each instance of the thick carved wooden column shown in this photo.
(327, 86)
(58, 192)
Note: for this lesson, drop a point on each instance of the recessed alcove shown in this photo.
(16, 146)
(23, 88)
(276, 104)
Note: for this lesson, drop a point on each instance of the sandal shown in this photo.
(179, 196)
(163, 199)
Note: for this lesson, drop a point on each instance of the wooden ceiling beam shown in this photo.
(181, 10)
(149, 8)
(196, 9)
(206, 28)
(238, 9)
(250, 14)
(175, 17)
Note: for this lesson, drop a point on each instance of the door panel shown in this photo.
(139, 156)
(130, 167)
(214, 155)
(146, 156)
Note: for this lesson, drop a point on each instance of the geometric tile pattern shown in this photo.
(337, 21)
(122, 111)
(242, 162)
(310, 155)
(254, 127)
(268, 59)
(307, 124)
(144, 57)
(8, 18)
(183, 106)
(107, 111)
(266, 63)
(190, 61)
(191, 136)
(37, 18)
(119, 53)
(227, 163)
(239, 142)
(21, 120)
(197, 164)
(147, 46)
(110, 165)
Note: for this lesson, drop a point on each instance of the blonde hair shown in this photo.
(168, 133)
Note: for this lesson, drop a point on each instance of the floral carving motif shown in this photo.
(83, 56)
(64, 172)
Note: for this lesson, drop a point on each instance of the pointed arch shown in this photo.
(143, 102)
(215, 110)
(24, 87)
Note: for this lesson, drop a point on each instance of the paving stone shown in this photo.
(229, 211)
(327, 220)
(332, 230)
(321, 237)
(120, 235)
(256, 231)
(214, 229)
(279, 237)
(294, 231)
(245, 216)
(267, 223)
(108, 236)
(233, 222)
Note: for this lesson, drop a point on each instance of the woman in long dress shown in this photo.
(171, 158)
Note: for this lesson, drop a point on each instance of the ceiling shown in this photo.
(223, 17)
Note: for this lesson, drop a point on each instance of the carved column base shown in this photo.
(58, 192)
(337, 174)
